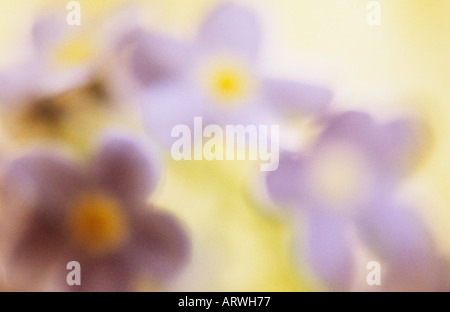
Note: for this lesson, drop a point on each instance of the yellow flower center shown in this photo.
(73, 52)
(340, 175)
(98, 224)
(228, 82)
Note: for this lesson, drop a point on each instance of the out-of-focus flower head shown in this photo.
(65, 88)
(96, 214)
(61, 57)
(217, 77)
(346, 181)
(350, 164)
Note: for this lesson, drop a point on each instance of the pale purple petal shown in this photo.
(231, 27)
(398, 235)
(168, 106)
(155, 58)
(48, 181)
(125, 169)
(285, 183)
(297, 98)
(246, 113)
(402, 144)
(18, 83)
(329, 251)
(356, 127)
(46, 31)
(160, 246)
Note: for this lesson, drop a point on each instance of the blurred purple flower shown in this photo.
(97, 215)
(216, 78)
(63, 58)
(70, 78)
(402, 241)
(345, 183)
(350, 164)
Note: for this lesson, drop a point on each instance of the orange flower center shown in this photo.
(98, 224)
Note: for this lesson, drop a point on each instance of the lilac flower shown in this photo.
(67, 81)
(95, 214)
(61, 57)
(64, 57)
(402, 241)
(37, 95)
(217, 78)
(345, 184)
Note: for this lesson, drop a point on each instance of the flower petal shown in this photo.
(403, 143)
(354, 126)
(359, 131)
(297, 98)
(426, 278)
(18, 83)
(46, 181)
(125, 169)
(111, 274)
(328, 250)
(284, 184)
(394, 148)
(159, 246)
(37, 249)
(398, 235)
(168, 106)
(47, 30)
(155, 58)
(38, 188)
(231, 27)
